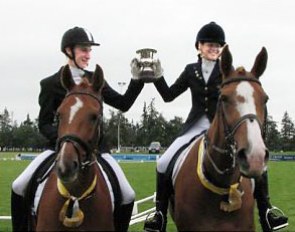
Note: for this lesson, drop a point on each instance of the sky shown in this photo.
(31, 32)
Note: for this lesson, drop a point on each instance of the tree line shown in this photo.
(151, 127)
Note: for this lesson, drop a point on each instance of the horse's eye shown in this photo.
(57, 116)
(223, 98)
(93, 117)
(266, 99)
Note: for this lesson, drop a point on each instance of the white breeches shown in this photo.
(128, 194)
(20, 184)
(201, 125)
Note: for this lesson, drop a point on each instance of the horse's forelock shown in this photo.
(241, 71)
(85, 83)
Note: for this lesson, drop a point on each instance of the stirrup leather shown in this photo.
(275, 209)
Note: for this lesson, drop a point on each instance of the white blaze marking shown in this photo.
(75, 108)
(246, 91)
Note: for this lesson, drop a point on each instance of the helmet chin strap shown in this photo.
(73, 57)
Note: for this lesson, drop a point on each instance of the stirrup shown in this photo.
(150, 217)
(275, 209)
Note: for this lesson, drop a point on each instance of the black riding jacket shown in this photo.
(204, 95)
(52, 94)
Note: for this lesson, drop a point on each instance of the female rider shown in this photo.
(203, 78)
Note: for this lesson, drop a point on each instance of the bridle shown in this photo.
(229, 131)
(88, 146)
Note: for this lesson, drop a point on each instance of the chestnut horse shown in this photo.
(213, 191)
(76, 196)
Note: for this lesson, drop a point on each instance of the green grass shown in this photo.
(142, 178)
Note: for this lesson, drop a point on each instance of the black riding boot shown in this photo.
(159, 221)
(18, 213)
(271, 218)
(122, 217)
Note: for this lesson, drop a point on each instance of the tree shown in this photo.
(272, 139)
(27, 136)
(287, 132)
(172, 129)
(5, 130)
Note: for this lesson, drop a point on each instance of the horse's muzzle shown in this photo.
(67, 170)
(252, 165)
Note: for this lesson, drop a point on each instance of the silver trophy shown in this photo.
(146, 61)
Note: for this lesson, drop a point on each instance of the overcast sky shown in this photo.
(31, 32)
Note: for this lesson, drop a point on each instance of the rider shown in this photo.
(76, 45)
(203, 79)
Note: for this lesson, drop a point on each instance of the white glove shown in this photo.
(135, 68)
(159, 71)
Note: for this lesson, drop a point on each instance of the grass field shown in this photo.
(142, 178)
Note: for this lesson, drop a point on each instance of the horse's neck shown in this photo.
(83, 182)
(216, 138)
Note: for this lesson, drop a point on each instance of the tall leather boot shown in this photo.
(122, 217)
(159, 221)
(18, 213)
(271, 218)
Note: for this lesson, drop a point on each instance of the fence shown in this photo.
(139, 217)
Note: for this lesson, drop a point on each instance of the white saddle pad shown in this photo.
(181, 158)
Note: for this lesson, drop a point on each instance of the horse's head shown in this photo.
(79, 115)
(242, 109)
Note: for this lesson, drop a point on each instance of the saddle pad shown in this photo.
(181, 158)
(41, 187)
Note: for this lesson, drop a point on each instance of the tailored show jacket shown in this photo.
(204, 95)
(52, 94)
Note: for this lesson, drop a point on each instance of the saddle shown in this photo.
(44, 170)
(170, 169)
(173, 161)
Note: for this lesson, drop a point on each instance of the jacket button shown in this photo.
(206, 110)
(206, 88)
(206, 98)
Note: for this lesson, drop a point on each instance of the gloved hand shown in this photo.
(159, 71)
(135, 68)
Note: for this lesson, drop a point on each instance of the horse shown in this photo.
(76, 196)
(213, 190)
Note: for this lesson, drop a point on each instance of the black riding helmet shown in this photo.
(210, 32)
(76, 36)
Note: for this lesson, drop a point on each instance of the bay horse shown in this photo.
(213, 189)
(76, 196)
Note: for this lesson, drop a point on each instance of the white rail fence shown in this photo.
(139, 217)
(136, 216)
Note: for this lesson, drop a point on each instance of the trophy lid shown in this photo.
(146, 52)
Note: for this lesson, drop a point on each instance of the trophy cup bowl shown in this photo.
(146, 61)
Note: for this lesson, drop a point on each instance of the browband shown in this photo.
(237, 79)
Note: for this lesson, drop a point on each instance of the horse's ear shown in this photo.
(97, 79)
(66, 78)
(260, 63)
(226, 62)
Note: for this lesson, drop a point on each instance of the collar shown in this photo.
(234, 194)
(204, 181)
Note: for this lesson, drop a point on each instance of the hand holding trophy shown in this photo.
(146, 67)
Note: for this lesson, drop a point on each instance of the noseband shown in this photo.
(89, 147)
(229, 131)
